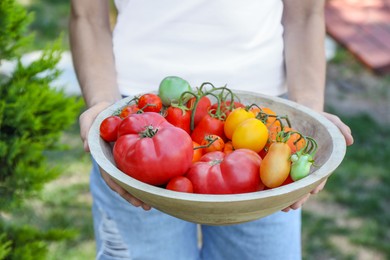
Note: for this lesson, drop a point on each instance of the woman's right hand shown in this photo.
(86, 119)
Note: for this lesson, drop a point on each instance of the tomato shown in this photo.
(217, 173)
(295, 141)
(181, 184)
(208, 126)
(287, 181)
(109, 128)
(228, 148)
(202, 108)
(127, 125)
(269, 116)
(275, 167)
(198, 152)
(128, 110)
(303, 160)
(150, 103)
(226, 107)
(236, 117)
(301, 164)
(152, 150)
(171, 88)
(179, 117)
(251, 134)
(214, 143)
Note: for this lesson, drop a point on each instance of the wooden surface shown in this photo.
(237, 208)
(363, 27)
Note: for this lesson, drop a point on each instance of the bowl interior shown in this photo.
(235, 208)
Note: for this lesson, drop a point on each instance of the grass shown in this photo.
(359, 191)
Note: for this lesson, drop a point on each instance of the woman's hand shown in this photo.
(346, 131)
(86, 119)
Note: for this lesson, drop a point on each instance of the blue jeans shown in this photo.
(123, 231)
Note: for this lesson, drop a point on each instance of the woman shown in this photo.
(272, 47)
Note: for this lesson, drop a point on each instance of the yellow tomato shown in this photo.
(251, 134)
(236, 117)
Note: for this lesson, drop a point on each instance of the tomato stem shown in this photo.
(149, 132)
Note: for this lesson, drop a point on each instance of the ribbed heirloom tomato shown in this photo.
(152, 150)
(218, 173)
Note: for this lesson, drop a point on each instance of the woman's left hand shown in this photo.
(346, 131)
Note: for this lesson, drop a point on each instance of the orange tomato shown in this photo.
(276, 165)
(270, 117)
(295, 141)
(213, 143)
(228, 148)
(198, 152)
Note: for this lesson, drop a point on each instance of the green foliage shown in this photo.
(29, 242)
(13, 24)
(33, 116)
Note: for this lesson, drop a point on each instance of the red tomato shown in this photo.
(217, 173)
(179, 117)
(152, 150)
(208, 126)
(150, 103)
(135, 124)
(109, 128)
(226, 107)
(180, 183)
(202, 108)
(128, 110)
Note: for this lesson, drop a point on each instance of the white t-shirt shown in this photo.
(238, 43)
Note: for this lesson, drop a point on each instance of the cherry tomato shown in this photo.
(198, 152)
(208, 126)
(228, 148)
(202, 108)
(128, 110)
(109, 128)
(181, 184)
(179, 117)
(217, 144)
(150, 103)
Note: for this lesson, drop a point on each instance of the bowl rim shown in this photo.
(334, 160)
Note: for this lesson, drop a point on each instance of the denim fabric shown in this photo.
(126, 232)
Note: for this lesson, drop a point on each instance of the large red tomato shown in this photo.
(152, 150)
(218, 173)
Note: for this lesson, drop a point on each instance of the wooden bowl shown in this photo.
(237, 208)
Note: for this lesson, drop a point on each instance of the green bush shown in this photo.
(33, 116)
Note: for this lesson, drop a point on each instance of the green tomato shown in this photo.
(300, 167)
(171, 88)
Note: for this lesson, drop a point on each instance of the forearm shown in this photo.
(304, 52)
(91, 45)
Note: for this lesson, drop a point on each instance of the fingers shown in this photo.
(122, 192)
(297, 204)
(345, 130)
(86, 119)
(319, 187)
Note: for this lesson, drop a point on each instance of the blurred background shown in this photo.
(350, 219)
